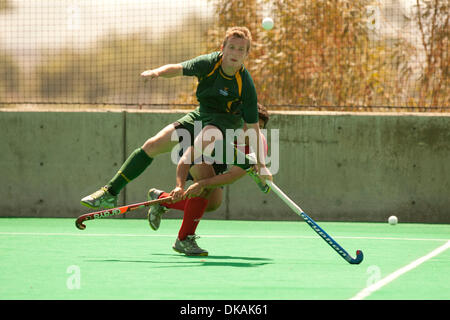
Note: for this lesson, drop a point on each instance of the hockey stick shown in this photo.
(270, 185)
(115, 211)
(325, 236)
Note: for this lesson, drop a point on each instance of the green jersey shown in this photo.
(225, 101)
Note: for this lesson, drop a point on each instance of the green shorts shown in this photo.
(187, 122)
(219, 168)
(222, 121)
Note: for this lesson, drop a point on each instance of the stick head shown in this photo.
(359, 258)
(79, 224)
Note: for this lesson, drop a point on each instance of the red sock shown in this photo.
(193, 212)
(177, 205)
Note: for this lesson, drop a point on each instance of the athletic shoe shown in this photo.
(189, 246)
(100, 199)
(156, 210)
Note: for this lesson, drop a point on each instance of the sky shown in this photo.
(52, 23)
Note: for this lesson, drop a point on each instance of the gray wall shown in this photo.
(336, 166)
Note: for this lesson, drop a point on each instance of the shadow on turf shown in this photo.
(213, 257)
(198, 261)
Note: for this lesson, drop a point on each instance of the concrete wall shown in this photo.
(336, 166)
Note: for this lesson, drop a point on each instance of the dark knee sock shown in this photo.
(136, 163)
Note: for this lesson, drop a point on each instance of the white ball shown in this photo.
(393, 220)
(267, 23)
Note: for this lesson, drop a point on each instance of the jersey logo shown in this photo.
(224, 92)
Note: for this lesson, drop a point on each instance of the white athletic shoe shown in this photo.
(156, 210)
(189, 246)
(100, 199)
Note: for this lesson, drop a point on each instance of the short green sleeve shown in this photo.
(200, 66)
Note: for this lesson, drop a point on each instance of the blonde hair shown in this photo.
(238, 32)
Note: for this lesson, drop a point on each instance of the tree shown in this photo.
(320, 54)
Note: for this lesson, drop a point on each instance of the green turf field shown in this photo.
(124, 259)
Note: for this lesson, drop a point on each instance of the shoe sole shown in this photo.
(203, 254)
(88, 205)
(92, 207)
(149, 198)
(148, 218)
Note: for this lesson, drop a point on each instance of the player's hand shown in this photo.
(149, 74)
(194, 190)
(177, 194)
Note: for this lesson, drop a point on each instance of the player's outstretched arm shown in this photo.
(166, 71)
(229, 177)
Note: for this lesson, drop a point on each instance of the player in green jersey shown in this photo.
(203, 195)
(227, 99)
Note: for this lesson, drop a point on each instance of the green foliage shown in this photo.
(320, 53)
(434, 27)
(110, 71)
(5, 5)
(9, 76)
